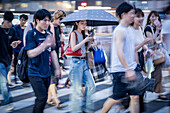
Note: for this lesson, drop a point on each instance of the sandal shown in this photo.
(60, 105)
(68, 83)
(51, 103)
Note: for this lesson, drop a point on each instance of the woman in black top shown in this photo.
(153, 30)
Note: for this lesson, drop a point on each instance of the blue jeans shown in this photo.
(40, 86)
(80, 74)
(4, 89)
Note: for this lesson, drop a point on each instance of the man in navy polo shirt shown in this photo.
(40, 46)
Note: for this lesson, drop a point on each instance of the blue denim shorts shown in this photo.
(122, 88)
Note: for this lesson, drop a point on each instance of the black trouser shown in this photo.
(15, 64)
(40, 86)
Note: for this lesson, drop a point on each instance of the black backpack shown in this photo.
(22, 64)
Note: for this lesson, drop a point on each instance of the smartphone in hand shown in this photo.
(157, 23)
(91, 33)
(14, 44)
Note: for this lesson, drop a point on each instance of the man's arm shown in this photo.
(48, 42)
(119, 40)
(36, 51)
(56, 64)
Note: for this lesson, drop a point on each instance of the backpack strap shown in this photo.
(34, 35)
(31, 25)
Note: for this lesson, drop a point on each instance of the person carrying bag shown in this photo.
(79, 70)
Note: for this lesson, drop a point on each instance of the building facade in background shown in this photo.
(71, 5)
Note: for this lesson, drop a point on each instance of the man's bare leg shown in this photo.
(134, 104)
(108, 104)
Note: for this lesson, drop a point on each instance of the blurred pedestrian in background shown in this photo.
(56, 30)
(165, 29)
(30, 26)
(20, 33)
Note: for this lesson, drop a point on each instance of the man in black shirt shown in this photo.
(8, 40)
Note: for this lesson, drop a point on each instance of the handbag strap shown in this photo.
(70, 37)
(69, 41)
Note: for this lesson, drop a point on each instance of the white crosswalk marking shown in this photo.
(99, 97)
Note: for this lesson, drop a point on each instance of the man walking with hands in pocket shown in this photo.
(40, 46)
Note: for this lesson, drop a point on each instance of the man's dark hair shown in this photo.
(123, 8)
(23, 16)
(41, 14)
(8, 15)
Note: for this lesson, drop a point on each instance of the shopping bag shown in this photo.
(90, 59)
(99, 72)
(99, 56)
(159, 57)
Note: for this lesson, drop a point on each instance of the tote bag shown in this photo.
(99, 56)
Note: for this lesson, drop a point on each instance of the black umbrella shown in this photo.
(93, 17)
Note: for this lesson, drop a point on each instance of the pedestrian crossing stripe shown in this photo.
(103, 91)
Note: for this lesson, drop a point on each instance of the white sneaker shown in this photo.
(9, 107)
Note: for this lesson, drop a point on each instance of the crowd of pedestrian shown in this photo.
(43, 39)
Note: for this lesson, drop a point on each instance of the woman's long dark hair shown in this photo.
(76, 27)
(83, 31)
(148, 19)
